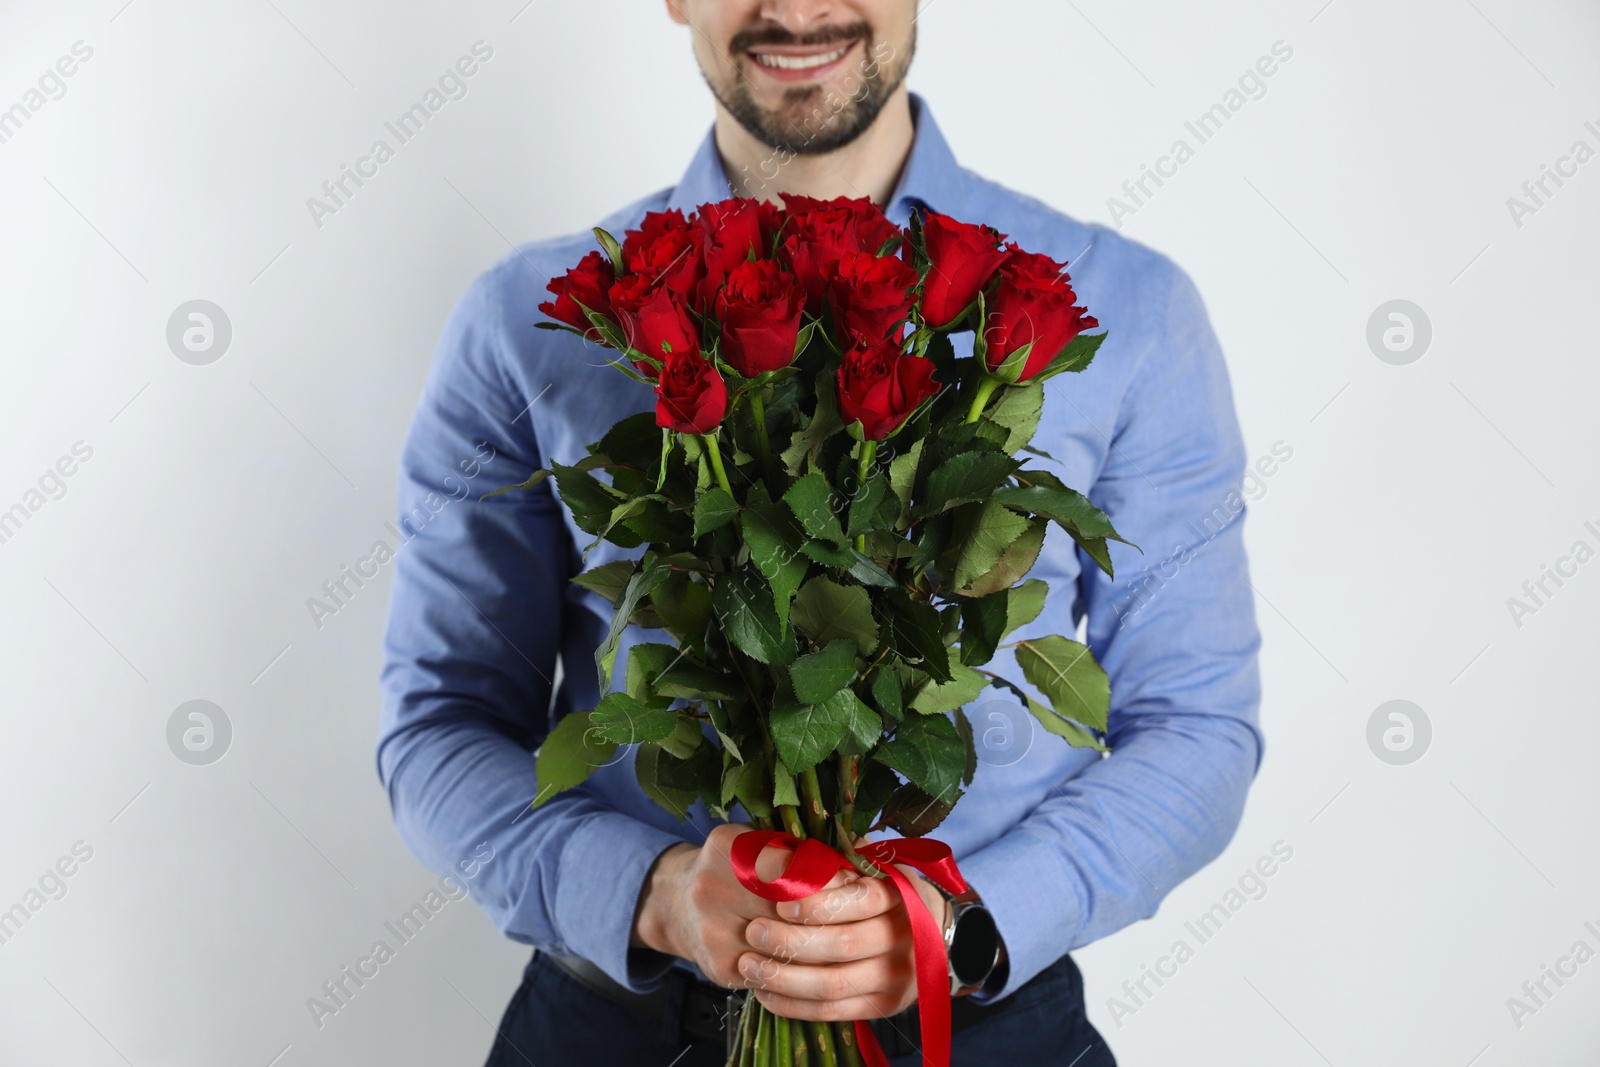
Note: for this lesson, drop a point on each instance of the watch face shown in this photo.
(974, 945)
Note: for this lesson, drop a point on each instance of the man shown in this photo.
(639, 926)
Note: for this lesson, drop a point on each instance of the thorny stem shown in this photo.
(716, 461)
(869, 449)
(758, 411)
(811, 795)
(986, 388)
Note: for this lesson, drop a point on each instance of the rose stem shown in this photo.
(848, 1052)
(782, 1046)
(811, 793)
(869, 449)
(758, 411)
(744, 1051)
(986, 388)
(821, 1034)
(764, 1052)
(716, 461)
(802, 1052)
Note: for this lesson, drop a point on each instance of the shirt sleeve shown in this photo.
(1176, 632)
(473, 636)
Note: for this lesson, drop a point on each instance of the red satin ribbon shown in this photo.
(814, 865)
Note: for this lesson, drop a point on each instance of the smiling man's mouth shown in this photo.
(783, 61)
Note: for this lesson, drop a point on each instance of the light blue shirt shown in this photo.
(488, 643)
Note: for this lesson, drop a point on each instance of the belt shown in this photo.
(691, 1007)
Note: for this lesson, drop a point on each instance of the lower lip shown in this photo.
(786, 74)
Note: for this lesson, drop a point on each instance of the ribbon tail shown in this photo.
(933, 973)
(867, 1042)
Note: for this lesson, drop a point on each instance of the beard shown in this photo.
(813, 120)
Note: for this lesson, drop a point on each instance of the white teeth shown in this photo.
(767, 59)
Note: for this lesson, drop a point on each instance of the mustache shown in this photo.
(745, 40)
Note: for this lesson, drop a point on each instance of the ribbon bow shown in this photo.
(814, 865)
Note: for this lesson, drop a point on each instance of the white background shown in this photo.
(219, 498)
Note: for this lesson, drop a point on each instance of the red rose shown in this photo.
(668, 248)
(759, 308)
(963, 257)
(821, 231)
(869, 295)
(691, 396)
(1034, 303)
(652, 319)
(880, 387)
(729, 230)
(589, 284)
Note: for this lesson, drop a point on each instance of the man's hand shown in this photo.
(842, 953)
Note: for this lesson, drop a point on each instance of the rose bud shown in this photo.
(869, 295)
(1033, 303)
(962, 257)
(880, 387)
(653, 319)
(759, 308)
(691, 396)
(666, 248)
(589, 284)
(729, 231)
(819, 232)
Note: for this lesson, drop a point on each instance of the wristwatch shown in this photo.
(972, 943)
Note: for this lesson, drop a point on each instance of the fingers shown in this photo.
(822, 943)
(837, 982)
(849, 901)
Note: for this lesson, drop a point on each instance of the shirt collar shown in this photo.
(931, 176)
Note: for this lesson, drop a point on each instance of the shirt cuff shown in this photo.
(603, 869)
(1037, 913)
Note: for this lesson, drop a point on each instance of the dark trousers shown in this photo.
(556, 1021)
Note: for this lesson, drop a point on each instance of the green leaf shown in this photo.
(1018, 411)
(805, 735)
(744, 608)
(590, 501)
(824, 610)
(983, 534)
(875, 785)
(1075, 735)
(645, 662)
(644, 581)
(1074, 511)
(685, 737)
(873, 507)
(700, 773)
(1066, 672)
(916, 634)
(721, 724)
(1024, 603)
(970, 744)
(914, 813)
(1017, 561)
(751, 788)
(903, 477)
(983, 626)
(775, 539)
(821, 674)
(646, 770)
(690, 681)
(886, 691)
(634, 440)
(620, 718)
(853, 563)
(783, 790)
(533, 479)
(864, 727)
(928, 751)
(806, 443)
(937, 698)
(811, 500)
(569, 754)
(612, 250)
(963, 478)
(608, 579)
(1078, 354)
(685, 606)
(713, 510)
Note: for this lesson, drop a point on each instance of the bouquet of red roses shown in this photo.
(836, 519)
